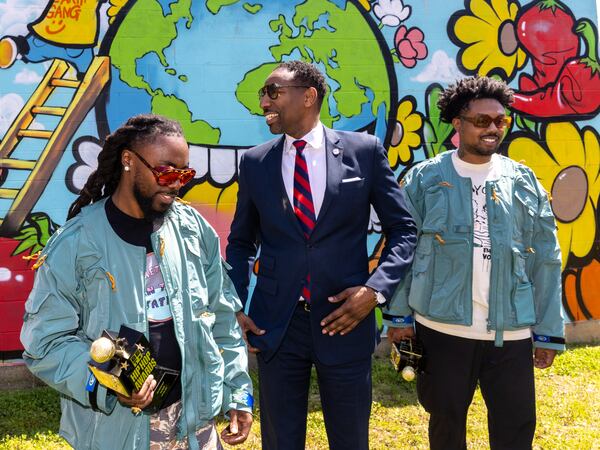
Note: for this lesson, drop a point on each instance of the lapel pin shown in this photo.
(335, 151)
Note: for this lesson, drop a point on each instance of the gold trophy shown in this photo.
(123, 362)
(407, 358)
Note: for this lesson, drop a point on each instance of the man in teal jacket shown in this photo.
(138, 257)
(485, 283)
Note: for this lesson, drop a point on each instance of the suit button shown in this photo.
(309, 246)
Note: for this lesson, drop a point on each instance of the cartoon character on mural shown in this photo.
(385, 62)
(67, 30)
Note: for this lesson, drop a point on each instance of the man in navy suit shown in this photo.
(304, 202)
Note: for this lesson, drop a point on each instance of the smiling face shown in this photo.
(145, 197)
(294, 111)
(477, 145)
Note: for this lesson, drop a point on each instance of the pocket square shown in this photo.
(352, 180)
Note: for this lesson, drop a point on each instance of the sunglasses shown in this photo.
(484, 121)
(167, 175)
(272, 90)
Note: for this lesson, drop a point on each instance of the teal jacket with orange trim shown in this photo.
(525, 280)
(89, 280)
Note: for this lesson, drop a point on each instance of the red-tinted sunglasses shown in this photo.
(484, 121)
(167, 175)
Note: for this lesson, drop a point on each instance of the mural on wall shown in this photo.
(72, 71)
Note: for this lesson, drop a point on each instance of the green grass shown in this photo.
(568, 396)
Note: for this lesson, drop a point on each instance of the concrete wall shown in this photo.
(203, 61)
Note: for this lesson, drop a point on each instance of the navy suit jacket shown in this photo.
(336, 251)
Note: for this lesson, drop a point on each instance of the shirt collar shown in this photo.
(314, 138)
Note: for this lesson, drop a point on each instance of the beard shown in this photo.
(145, 203)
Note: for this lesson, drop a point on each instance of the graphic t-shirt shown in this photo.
(482, 255)
(163, 341)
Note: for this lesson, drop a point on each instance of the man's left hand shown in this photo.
(359, 302)
(238, 429)
(543, 357)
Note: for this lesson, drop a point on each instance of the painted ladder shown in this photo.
(40, 170)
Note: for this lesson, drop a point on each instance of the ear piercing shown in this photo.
(126, 168)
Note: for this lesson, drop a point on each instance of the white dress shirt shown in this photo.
(316, 160)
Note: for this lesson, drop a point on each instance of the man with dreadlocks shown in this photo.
(485, 282)
(132, 255)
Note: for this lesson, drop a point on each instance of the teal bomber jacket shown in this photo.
(89, 280)
(525, 280)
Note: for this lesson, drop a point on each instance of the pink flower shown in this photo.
(410, 45)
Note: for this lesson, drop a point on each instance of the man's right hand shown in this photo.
(398, 334)
(248, 325)
(141, 398)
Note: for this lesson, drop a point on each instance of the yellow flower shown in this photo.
(486, 35)
(569, 170)
(406, 135)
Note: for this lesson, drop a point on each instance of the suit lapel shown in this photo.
(273, 163)
(334, 152)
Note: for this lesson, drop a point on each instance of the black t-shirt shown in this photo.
(165, 348)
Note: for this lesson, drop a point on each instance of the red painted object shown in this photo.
(576, 91)
(16, 281)
(17, 260)
(545, 31)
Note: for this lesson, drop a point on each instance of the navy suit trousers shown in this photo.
(284, 386)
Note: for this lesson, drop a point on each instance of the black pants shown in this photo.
(284, 386)
(453, 368)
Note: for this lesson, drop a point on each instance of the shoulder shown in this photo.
(427, 169)
(63, 248)
(258, 152)
(522, 173)
(189, 219)
(352, 138)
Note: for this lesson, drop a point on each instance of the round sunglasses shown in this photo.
(167, 175)
(272, 90)
(484, 121)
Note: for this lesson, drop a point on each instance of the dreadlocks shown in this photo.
(144, 128)
(456, 98)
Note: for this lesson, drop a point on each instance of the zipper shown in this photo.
(472, 233)
(494, 268)
(492, 200)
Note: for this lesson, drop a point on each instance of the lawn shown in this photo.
(568, 396)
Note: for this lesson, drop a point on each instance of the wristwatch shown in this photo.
(379, 298)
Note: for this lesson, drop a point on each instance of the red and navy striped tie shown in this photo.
(303, 202)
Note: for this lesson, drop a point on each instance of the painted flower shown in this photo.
(580, 291)
(407, 133)
(410, 45)
(485, 32)
(391, 12)
(568, 168)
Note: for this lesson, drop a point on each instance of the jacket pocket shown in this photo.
(351, 185)
(435, 202)
(267, 285)
(522, 303)
(99, 285)
(450, 279)
(519, 266)
(525, 206)
(194, 265)
(422, 275)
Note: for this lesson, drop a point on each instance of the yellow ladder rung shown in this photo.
(50, 110)
(59, 82)
(42, 134)
(22, 164)
(8, 193)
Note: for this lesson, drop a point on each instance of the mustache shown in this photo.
(172, 192)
